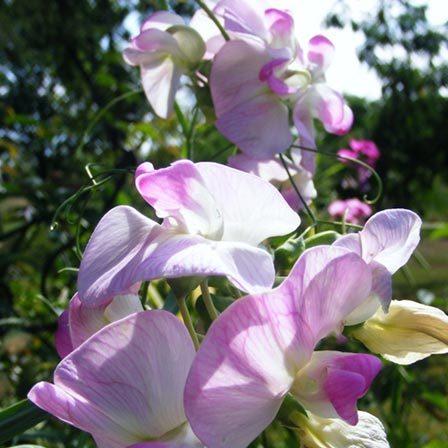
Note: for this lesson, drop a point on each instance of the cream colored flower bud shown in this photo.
(409, 332)
(317, 432)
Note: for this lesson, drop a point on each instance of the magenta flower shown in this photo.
(125, 384)
(354, 210)
(365, 150)
(386, 243)
(211, 226)
(259, 78)
(272, 170)
(77, 323)
(261, 348)
(164, 50)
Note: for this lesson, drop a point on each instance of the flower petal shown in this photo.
(410, 331)
(320, 52)
(244, 219)
(248, 114)
(332, 382)
(389, 238)
(251, 354)
(317, 432)
(162, 20)
(63, 340)
(125, 384)
(242, 370)
(179, 192)
(114, 251)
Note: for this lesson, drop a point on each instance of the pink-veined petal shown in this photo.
(332, 382)
(251, 354)
(63, 340)
(127, 248)
(114, 252)
(179, 192)
(124, 384)
(248, 114)
(390, 237)
(246, 220)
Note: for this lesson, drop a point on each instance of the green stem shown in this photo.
(213, 18)
(187, 320)
(294, 186)
(209, 305)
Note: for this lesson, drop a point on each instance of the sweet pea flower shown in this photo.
(165, 49)
(125, 384)
(257, 79)
(365, 150)
(273, 171)
(386, 243)
(261, 348)
(211, 226)
(318, 432)
(407, 333)
(353, 210)
(77, 323)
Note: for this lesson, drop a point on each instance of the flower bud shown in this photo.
(410, 331)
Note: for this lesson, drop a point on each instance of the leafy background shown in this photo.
(68, 100)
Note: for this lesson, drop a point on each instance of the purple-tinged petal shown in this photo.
(243, 369)
(63, 340)
(390, 237)
(209, 32)
(246, 220)
(252, 353)
(162, 20)
(351, 242)
(330, 283)
(320, 52)
(179, 192)
(332, 382)
(281, 26)
(258, 127)
(303, 121)
(248, 114)
(115, 250)
(125, 384)
(85, 321)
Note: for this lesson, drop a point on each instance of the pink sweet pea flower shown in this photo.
(365, 150)
(259, 78)
(164, 50)
(261, 348)
(386, 243)
(77, 323)
(355, 211)
(211, 226)
(273, 171)
(125, 384)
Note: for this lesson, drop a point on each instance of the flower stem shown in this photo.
(294, 186)
(212, 311)
(187, 320)
(213, 18)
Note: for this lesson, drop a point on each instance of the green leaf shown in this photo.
(18, 418)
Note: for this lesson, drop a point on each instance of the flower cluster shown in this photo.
(135, 377)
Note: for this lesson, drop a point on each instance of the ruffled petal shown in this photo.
(246, 220)
(179, 192)
(248, 114)
(320, 52)
(125, 384)
(390, 237)
(410, 331)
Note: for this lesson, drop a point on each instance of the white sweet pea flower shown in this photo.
(409, 332)
(317, 432)
(165, 49)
